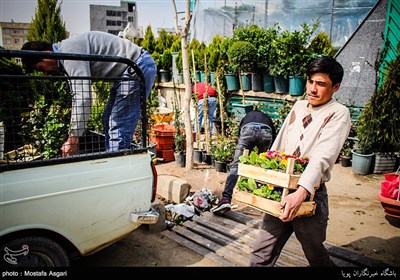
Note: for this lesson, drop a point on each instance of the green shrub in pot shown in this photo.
(378, 127)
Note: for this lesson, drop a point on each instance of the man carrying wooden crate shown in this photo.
(317, 128)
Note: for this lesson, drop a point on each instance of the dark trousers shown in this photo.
(251, 135)
(310, 231)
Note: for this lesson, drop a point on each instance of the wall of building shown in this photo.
(13, 34)
(358, 56)
(113, 19)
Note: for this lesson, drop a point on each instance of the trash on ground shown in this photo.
(203, 200)
(178, 213)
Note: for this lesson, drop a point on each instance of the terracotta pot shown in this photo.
(391, 206)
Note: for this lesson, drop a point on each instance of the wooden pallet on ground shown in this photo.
(228, 240)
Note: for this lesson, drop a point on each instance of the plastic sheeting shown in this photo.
(339, 18)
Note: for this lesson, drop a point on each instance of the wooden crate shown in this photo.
(281, 179)
(22, 154)
(270, 206)
(287, 181)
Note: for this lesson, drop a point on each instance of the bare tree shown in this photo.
(182, 32)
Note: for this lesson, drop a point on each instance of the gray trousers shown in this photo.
(251, 135)
(310, 231)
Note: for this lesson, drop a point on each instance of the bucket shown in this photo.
(361, 163)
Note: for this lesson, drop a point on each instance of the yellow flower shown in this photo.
(270, 187)
(284, 162)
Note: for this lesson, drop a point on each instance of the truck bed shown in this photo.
(53, 206)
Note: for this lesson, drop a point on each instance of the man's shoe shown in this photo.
(222, 207)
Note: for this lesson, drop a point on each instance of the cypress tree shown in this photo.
(149, 40)
(47, 25)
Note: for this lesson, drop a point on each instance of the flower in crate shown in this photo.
(275, 160)
(252, 186)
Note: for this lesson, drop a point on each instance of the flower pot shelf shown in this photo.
(287, 181)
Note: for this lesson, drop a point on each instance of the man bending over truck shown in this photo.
(122, 111)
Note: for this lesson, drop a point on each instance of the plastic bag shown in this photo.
(203, 199)
(390, 187)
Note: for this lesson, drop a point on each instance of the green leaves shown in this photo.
(260, 189)
(224, 149)
(242, 56)
(378, 127)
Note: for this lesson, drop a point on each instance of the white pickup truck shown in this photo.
(52, 209)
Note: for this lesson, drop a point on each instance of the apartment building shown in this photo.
(113, 19)
(13, 34)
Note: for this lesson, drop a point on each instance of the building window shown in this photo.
(114, 32)
(16, 31)
(130, 19)
(8, 41)
(6, 30)
(111, 23)
(16, 41)
(131, 7)
(111, 13)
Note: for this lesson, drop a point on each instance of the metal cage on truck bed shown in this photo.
(35, 112)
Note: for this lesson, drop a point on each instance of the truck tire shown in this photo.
(33, 251)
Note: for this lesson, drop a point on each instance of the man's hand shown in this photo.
(70, 147)
(291, 204)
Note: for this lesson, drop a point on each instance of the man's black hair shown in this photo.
(28, 62)
(327, 65)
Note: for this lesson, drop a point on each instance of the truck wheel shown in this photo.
(33, 251)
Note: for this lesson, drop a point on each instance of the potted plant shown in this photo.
(166, 65)
(300, 57)
(262, 41)
(242, 57)
(223, 151)
(179, 147)
(231, 78)
(345, 152)
(293, 57)
(280, 68)
(268, 56)
(213, 55)
(179, 136)
(378, 125)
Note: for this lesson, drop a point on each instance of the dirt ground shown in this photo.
(357, 222)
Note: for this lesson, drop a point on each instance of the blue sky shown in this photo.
(75, 13)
